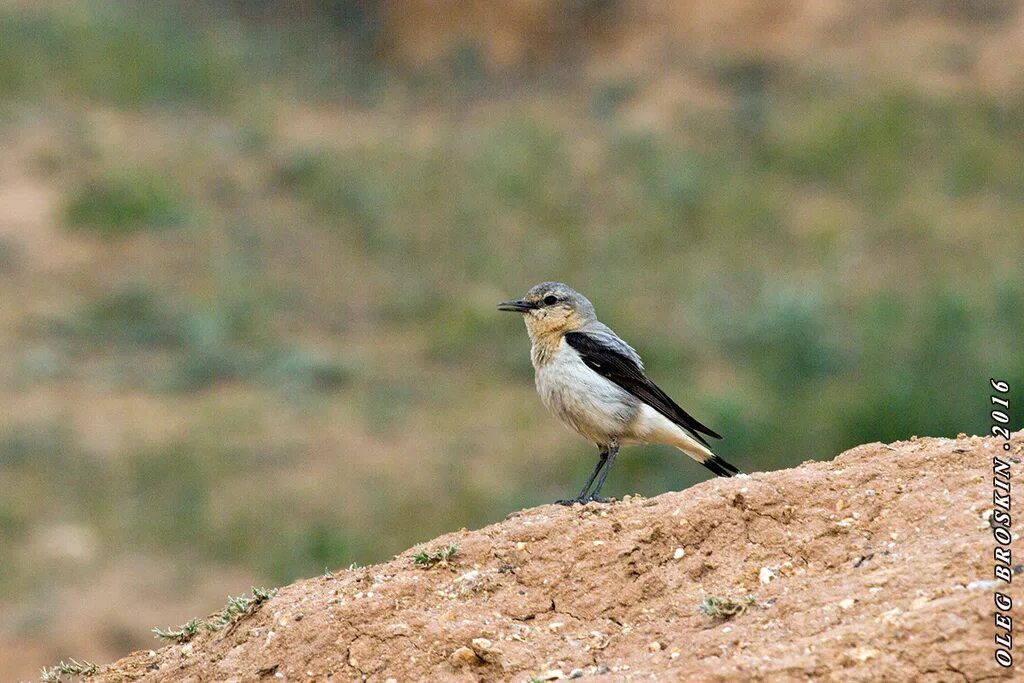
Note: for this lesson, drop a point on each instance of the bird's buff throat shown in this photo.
(546, 334)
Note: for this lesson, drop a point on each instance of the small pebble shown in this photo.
(462, 655)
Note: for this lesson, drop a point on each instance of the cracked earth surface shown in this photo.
(874, 566)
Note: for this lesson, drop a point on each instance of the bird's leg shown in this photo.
(613, 450)
(601, 459)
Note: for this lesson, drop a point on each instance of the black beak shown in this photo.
(519, 306)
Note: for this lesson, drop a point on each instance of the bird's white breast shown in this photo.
(597, 408)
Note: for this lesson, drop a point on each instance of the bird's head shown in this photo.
(552, 308)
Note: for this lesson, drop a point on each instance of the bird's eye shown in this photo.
(550, 300)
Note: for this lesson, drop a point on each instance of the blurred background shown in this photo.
(250, 254)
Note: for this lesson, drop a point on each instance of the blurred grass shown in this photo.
(123, 203)
(114, 52)
(815, 268)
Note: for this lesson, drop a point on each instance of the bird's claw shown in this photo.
(597, 499)
(582, 500)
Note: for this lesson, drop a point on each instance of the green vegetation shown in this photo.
(725, 608)
(55, 674)
(205, 342)
(179, 634)
(236, 610)
(440, 556)
(102, 51)
(124, 203)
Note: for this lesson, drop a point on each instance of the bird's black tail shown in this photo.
(720, 467)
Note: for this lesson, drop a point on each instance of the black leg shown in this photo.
(601, 459)
(613, 450)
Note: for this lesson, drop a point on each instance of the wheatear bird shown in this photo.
(595, 383)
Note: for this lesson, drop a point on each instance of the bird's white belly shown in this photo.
(595, 407)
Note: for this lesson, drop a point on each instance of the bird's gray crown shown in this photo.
(560, 294)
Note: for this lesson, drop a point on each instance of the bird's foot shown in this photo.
(582, 500)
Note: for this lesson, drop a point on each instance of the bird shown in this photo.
(594, 383)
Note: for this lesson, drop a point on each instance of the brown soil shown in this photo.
(874, 566)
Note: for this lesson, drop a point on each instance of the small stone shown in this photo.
(847, 603)
(679, 553)
(551, 675)
(480, 645)
(765, 575)
(520, 546)
(863, 654)
(654, 646)
(891, 617)
(674, 655)
(462, 655)
(576, 673)
(555, 625)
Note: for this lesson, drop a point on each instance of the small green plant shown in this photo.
(240, 607)
(179, 634)
(440, 556)
(124, 202)
(236, 609)
(55, 674)
(725, 608)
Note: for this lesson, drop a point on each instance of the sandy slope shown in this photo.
(864, 568)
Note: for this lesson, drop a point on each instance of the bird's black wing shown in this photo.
(624, 371)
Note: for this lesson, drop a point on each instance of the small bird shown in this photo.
(594, 382)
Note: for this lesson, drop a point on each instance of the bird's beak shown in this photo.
(519, 306)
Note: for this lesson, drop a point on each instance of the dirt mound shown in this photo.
(874, 566)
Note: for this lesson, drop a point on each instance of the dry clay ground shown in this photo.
(874, 566)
